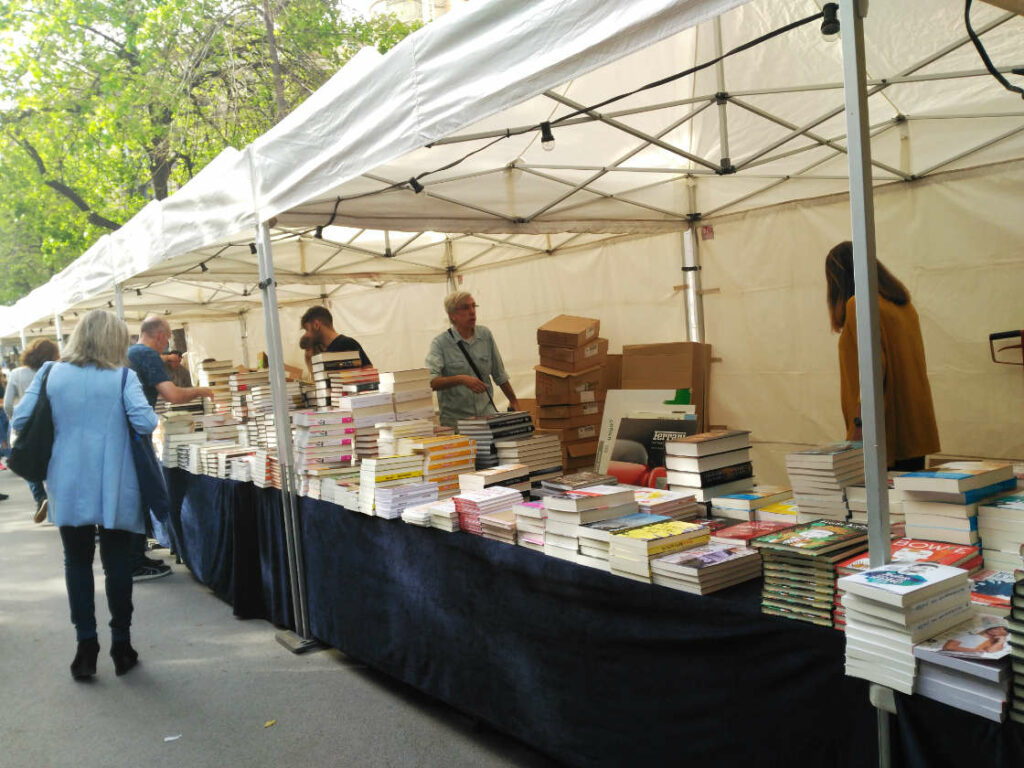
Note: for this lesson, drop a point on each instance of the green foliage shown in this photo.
(108, 104)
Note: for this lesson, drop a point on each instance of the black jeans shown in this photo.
(117, 558)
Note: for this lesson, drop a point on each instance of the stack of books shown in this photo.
(215, 374)
(323, 440)
(351, 381)
(419, 515)
(573, 481)
(444, 516)
(595, 539)
(223, 428)
(819, 477)
(741, 534)
(857, 501)
(487, 430)
(510, 475)
(942, 504)
(569, 510)
(445, 457)
(906, 550)
(891, 608)
(226, 457)
(632, 550)
(1001, 524)
(710, 464)
(341, 487)
(240, 385)
(499, 526)
(242, 468)
(778, 512)
(531, 521)
(367, 411)
(390, 501)
(470, 505)
(540, 452)
(413, 397)
(174, 430)
(967, 667)
(671, 504)
(708, 568)
(394, 438)
(744, 505)
(570, 386)
(1015, 623)
(323, 365)
(799, 568)
(264, 463)
(992, 591)
(386, 472)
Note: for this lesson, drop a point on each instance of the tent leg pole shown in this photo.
(300, 640)
(119, 300)
(862, 215)
(23, 342)
(691, 269)
(243, 322)
(58, 328)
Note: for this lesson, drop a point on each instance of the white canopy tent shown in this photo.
(753, 149)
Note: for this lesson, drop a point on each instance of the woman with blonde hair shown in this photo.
(91, 477)
(38, 352)
(910, 430)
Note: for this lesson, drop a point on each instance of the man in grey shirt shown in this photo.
(461, 393)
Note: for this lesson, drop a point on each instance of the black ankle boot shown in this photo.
(125, 657)
(84, 665)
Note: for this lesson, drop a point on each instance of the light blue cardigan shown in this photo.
(91, 479)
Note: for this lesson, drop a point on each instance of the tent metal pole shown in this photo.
(723, 123)
(243, 322)
(300, 640)
(862, 215)
(449, 263)
(58, 327)
(119, 300)
(691, 268)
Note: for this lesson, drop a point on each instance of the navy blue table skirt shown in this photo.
(589, 668)
(231, 536)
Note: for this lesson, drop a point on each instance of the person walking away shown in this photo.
(91, 478)
(38, 352)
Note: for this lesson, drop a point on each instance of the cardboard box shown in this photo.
(572, 421)
(575, 358)
(556, 387)
(670, 366)
(530, 406)
(576, 434)
(568, 411)
(613, 372)
(568, 331)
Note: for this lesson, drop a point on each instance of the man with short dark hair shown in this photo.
(318, 326)
(144, 358)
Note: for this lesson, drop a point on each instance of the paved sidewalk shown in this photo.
(205, 677)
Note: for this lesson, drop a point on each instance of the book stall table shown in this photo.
(589, 668)
(231, 536)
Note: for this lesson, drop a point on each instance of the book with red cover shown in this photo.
(992, 588)
(916, 550)
(742, 533)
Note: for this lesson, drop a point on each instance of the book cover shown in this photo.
(820, 535)
(983, 637)
(956, 476)
(705, 443)
(744, 532)
(703, 557)
(761, 496)
(902, 583)
(908, 550)
(992, 588)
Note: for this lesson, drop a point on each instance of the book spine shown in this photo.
(726, 474)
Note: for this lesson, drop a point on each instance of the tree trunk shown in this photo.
(275, 62)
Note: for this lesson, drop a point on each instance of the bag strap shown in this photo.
(462, 345)
(124, 378)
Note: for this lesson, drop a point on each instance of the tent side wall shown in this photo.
(955, 241)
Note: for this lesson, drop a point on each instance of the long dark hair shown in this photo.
(839, 277)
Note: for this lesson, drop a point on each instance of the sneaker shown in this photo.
(149, 572)
(153, 545)
(41, 510)
(151, 561)
(4, 497)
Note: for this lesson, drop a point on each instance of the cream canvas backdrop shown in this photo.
(956, 241)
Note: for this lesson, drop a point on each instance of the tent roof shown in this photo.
(457, 105)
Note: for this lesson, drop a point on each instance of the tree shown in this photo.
(106, 105)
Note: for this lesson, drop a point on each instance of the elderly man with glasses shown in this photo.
(462, 361)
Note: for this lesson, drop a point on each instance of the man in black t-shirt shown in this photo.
(318, 326)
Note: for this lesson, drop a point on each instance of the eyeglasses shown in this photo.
(464, 307)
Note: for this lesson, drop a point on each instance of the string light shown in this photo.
(830, 22)
(547, 139)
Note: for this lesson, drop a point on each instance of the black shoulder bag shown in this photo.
(152, 485)
(30, 455)
(476, 371)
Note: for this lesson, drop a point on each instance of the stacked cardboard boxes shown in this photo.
(571, 386)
